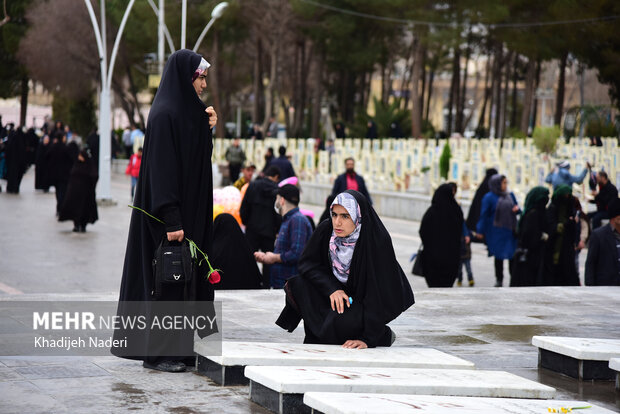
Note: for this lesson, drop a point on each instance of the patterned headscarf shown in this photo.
(341, 248)
(204, 65)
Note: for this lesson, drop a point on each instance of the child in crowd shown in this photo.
(465, 258)
(133, 169)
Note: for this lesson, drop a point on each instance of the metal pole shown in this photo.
(166, 32)
(160, 38)
(183, 22)
(238, 129)
(203, 34)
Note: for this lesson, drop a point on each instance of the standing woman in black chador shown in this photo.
(531, 237)
(80, 203)
(559, 255)
(176, 186)
(441, 230)
(350, 284)
(476, 204)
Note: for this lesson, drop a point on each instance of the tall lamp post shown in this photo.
(103, 185)
(215, 14)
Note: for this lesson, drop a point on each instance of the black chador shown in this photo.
(376, 283)
(232, 254)
(176, 186)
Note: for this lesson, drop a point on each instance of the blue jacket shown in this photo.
(563, 176)
(501, 242)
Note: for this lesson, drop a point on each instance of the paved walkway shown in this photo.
(43, 260)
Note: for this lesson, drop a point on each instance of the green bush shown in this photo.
(546, 138)
(515, 133)
(444, 161)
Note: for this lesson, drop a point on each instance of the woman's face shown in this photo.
(504, 185)
(200, 83)
(341, 221)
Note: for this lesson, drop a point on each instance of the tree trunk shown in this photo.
(559, 100)
(454, 87)
(537, 80)
(423, 76)
(431, 78)
(318, 95)
(530, 78)
(23, 101)
(220, 128)
(416, 109)
(258, 82)
(487, 93)
(505, 96)
(270, 92)
(460, 106)
(513, 105)
(498, 90)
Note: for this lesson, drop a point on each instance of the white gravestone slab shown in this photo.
(466, 383)
(582, 358)
(342, 403)
(228, 367)
(614, 364)
(580, 348)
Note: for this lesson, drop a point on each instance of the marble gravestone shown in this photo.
(227, 368)
(582, 358)
(345, 403)
(614, 364)
(280, 389)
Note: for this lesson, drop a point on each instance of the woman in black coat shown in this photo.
(79, 203)
(531, 236)
(474, 210)
(350, 284)
(441, 231)
(559, 254)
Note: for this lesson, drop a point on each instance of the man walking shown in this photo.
(350, 180)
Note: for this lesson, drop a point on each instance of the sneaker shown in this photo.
(459, 283)
(166, 366)
(471, 283)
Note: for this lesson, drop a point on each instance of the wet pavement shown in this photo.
(43, 260)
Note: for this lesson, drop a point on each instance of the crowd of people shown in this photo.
(61, 160)
(540, 242)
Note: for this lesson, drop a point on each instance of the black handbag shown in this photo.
(417, 264)
(520, 255)
(172, 265)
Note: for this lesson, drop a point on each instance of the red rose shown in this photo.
(215, 277)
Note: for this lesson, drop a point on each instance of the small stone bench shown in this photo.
(614, 364)
(280, 389)
(581, 358)
(344, 403)
(227, 369)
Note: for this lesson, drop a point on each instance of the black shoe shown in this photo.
(166, 366)
(82, 229)
(498, 283)
(76, 229)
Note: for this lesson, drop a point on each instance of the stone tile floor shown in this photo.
(43, 260)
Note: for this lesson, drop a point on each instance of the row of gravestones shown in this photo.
(301, 378)
(413, 165)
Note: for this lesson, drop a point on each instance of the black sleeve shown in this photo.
(172, 217)
(313, 264)
(592, 259)
(244, 210)
(531, 232)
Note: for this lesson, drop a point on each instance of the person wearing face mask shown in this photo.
(258, 215)
(350, 180)
(350, 285)
(294, 233)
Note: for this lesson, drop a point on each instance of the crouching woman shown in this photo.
(350, 284)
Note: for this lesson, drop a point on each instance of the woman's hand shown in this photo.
(212, 116)
(338, 299)
(175, 235)
(515, 209)
(355, 344)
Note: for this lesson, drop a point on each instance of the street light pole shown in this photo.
(183, 22)
(103, 185)
(215, 14)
